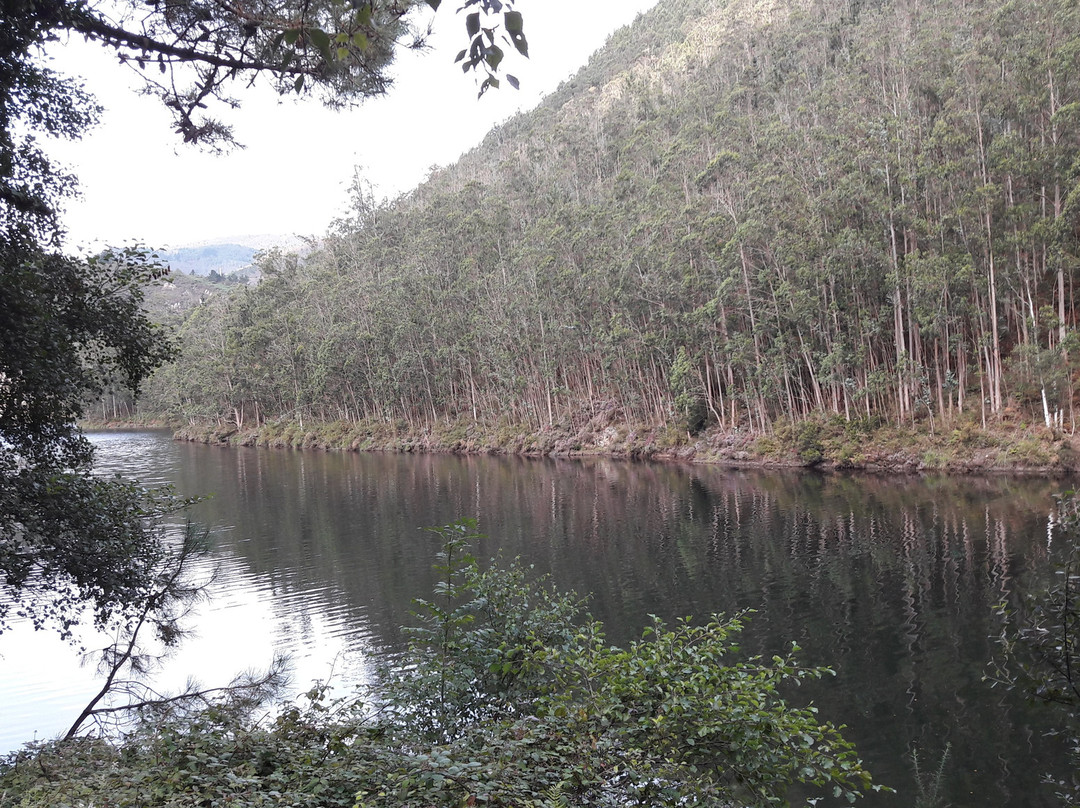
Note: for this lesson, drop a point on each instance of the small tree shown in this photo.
(514, 699)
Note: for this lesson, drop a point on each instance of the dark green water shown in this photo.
(889, 580)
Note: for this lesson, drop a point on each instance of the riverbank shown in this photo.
(960, 447)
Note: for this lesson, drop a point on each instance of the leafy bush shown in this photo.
(509, 696)
(808, 442)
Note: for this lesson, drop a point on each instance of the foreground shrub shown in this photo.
(509, 696)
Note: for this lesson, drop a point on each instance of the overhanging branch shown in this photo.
(96, 28)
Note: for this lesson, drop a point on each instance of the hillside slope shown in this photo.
(740, 213)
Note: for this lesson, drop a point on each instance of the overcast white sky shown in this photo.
(140, 183)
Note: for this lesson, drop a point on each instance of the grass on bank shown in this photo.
(962, 445)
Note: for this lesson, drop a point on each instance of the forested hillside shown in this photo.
(740, 212)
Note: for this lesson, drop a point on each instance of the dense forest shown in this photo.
(739, 213)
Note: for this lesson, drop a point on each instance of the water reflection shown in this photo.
(247, 620)
(889, 580)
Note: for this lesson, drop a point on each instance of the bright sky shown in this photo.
(139, 182)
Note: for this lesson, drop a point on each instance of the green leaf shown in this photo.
(472, 24)
(298, 85)
(360, 40)
(320, 39)
(520, 43)
(434, 4)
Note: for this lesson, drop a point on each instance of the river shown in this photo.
(889, 580)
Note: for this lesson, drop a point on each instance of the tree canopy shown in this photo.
(69, 327)
(192, 52)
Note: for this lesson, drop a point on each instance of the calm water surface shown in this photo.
(889, 580)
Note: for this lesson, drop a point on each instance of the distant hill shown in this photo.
(202, 271)
(223, 259)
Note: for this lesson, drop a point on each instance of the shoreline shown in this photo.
(826, 444)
